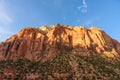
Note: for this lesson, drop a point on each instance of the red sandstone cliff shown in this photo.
(45, 42)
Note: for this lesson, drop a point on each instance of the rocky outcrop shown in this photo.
(45, 42)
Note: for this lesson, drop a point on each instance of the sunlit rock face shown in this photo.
(47, 41)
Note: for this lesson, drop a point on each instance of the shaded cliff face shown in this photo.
(46, 42)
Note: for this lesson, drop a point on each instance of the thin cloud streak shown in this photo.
(4, 31)
(5, 21)
(4, 17)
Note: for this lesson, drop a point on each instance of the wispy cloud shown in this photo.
(91, 21)
(4, 31)
(4, 17)
(83, 7)
(78, 20)
(5, 21)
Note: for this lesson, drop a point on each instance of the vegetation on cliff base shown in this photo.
(65, 66)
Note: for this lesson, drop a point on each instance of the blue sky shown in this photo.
(17, 14)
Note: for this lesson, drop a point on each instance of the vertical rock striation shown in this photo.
(46, 42)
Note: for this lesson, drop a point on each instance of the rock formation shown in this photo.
(45, 42)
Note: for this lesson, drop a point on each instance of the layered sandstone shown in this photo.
(46, 42)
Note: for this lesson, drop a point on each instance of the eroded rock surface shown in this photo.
(45, 42)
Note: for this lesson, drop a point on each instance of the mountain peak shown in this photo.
(45, 42)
